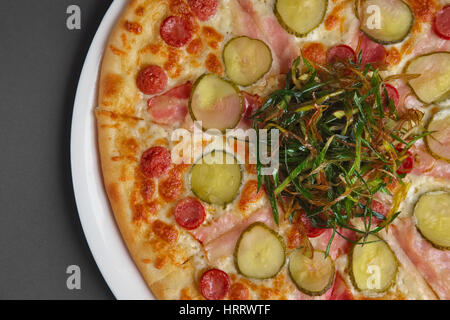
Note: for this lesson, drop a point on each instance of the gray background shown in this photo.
(40, 232)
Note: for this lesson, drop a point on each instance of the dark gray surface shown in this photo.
(40, 232)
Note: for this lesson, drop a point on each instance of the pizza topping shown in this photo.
(246, 60)
(373, 266)
(216, 102)
(432, 213)
(215, 284)
(170, 107)
(166, 232)
(406, 166)
(439, 141)
(432, 263)
(204, 9)
(433, 82)
(176, 31)
(311, 231)
(239, 291)
(155, 162)
(340, 290)
(300, 17)
(340, 53)
(252, 102)
(441, 23)
(392, 93)
(372, 52)
(216, 178)
(259, 252)
(189, 213)
(312, 275)
(151, 80)
(393, 24)
(334, 155)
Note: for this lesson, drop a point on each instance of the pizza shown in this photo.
(334, 183)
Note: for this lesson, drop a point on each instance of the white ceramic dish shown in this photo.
(100, 229)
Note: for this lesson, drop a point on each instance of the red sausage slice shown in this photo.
(151, 80)
(215, 284)
(252, 102)
(392, 93)
(176, 31)
(311, 231)
(441, 23)
(203, 9)
(340, 52)
(189, 213)
(406, 166)
(155, 162)
(372, 52)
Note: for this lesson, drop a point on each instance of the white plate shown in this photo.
(100, 229)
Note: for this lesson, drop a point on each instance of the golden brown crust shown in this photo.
(137, 27)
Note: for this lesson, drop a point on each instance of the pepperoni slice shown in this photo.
(392, 93)
(189, 213)
(372, 52)
(311, 231)
(441, 23)
(203, 9)
(155, 162)
(406, 166)
(176, 31)
(215, 284)
(340, 52)
(151, 80)
(252, 102)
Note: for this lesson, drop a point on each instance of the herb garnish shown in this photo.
(341, 142)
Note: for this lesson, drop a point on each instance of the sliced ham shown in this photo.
(224, 244)
(426, 164)
(433, 264)
(217, 227)
(282, 43)
(372, 52)
(339, 245)
(340, 291)
(170, 107)
(429, 42)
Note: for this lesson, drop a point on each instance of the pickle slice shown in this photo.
(373, 266)
(300, 17)
(433, 84)
(439, 141)
(216, 178)
(313, 276)
(216, 102)
(385, 21)
(246, 60)
(432, 213)
(260, 252)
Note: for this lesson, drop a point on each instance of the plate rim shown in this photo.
(96, 217)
